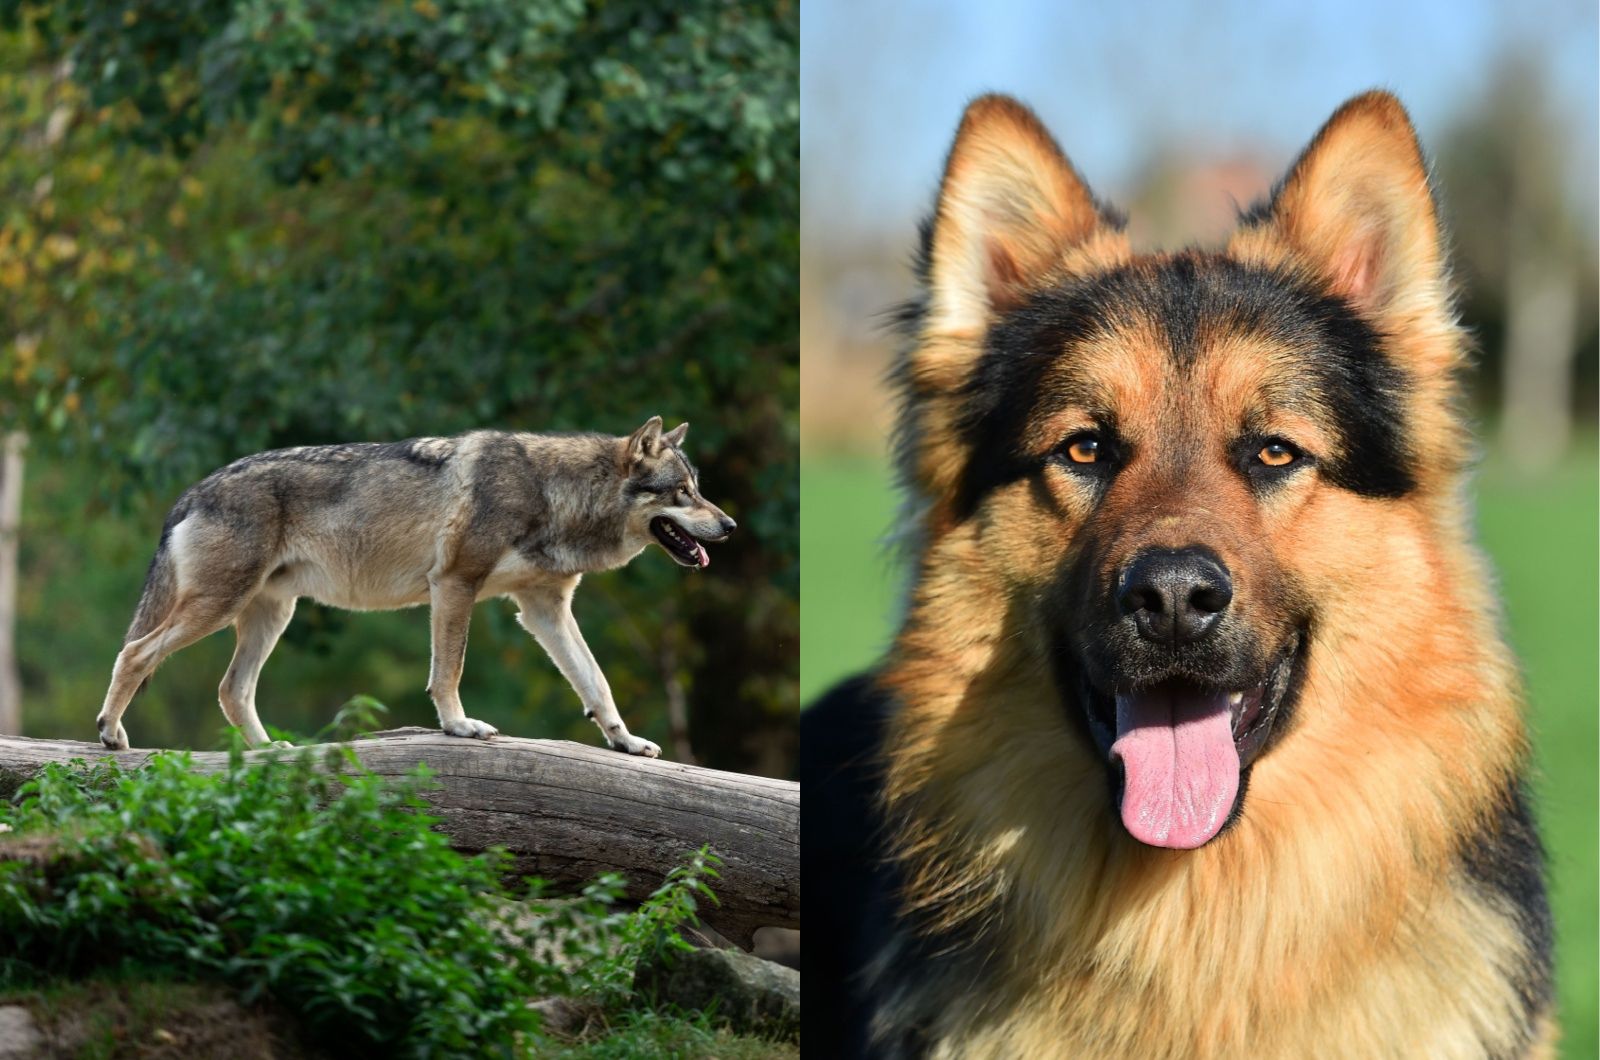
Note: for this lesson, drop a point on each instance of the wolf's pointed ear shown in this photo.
(646, 441)
(1357, 206)
(1009, 205)
(675, 436)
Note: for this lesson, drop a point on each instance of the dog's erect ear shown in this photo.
(675, 436)
(1358, 208)
(646, 441)
(1009, 205)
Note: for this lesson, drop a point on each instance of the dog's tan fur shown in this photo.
(1335, 918)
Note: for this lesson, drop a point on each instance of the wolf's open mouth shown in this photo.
(679, 543)
(1182, 749)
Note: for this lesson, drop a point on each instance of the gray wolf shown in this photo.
(1199, 737)
(439, 521)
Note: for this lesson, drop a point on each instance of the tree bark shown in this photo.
(568, 812)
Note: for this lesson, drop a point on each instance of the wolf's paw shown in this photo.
(635, 746)
(276, 745)
(114, 741)
(470, 727)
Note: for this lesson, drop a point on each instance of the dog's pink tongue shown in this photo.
(705, 557)
(1181, 767)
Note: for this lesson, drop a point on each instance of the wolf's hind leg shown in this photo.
(191, 619)
(548, 616)
(451, 601)
(258, 628)
(133, 666)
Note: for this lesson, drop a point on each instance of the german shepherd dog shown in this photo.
(1199, 738)
(439, 521)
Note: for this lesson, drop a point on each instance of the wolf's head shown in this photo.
(1182, 489)
(663, 496)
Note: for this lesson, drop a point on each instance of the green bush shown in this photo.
(314, 883)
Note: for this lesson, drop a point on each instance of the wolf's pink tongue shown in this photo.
(1181, 767)
(705, 559)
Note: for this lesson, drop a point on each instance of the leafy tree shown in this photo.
(231, 226)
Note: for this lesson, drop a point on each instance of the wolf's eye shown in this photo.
(683, 496)
(1278, 454)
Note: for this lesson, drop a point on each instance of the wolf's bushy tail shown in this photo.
(155, 602)
(160, 590)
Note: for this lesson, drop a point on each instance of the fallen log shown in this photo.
(568, 812)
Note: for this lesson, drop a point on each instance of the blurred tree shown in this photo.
(1527, 249)
(269, 224)
(11, 445)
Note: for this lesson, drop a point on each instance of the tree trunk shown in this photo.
(568, 812)
(1541, 313)
(11, 445)
(1541, 340)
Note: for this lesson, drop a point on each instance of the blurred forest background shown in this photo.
(1180, 114)
(237, 225)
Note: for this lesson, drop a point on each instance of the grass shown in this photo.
(646, 1033)
(848, 586)
(1540, 534)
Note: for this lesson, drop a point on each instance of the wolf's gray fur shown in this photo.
(439, 521)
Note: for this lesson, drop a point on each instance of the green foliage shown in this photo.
(349, 87)
(654, 926)
(647, 1033)
(602, 953)
(233, 226)
(325, 890)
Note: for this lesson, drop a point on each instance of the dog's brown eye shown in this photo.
(1277, 454)
(1084, 450)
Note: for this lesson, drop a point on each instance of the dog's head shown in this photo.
(663, 496)
(1186, 473)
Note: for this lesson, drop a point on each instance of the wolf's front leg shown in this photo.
(451, 601)
(548, 616)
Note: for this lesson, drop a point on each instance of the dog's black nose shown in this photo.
(1175, 596)
(728, 526)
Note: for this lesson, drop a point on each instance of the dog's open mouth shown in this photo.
(679, 543)
(1182, 748)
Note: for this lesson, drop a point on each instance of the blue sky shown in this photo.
(883, 81)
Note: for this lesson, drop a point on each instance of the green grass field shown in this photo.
(1541, 536)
